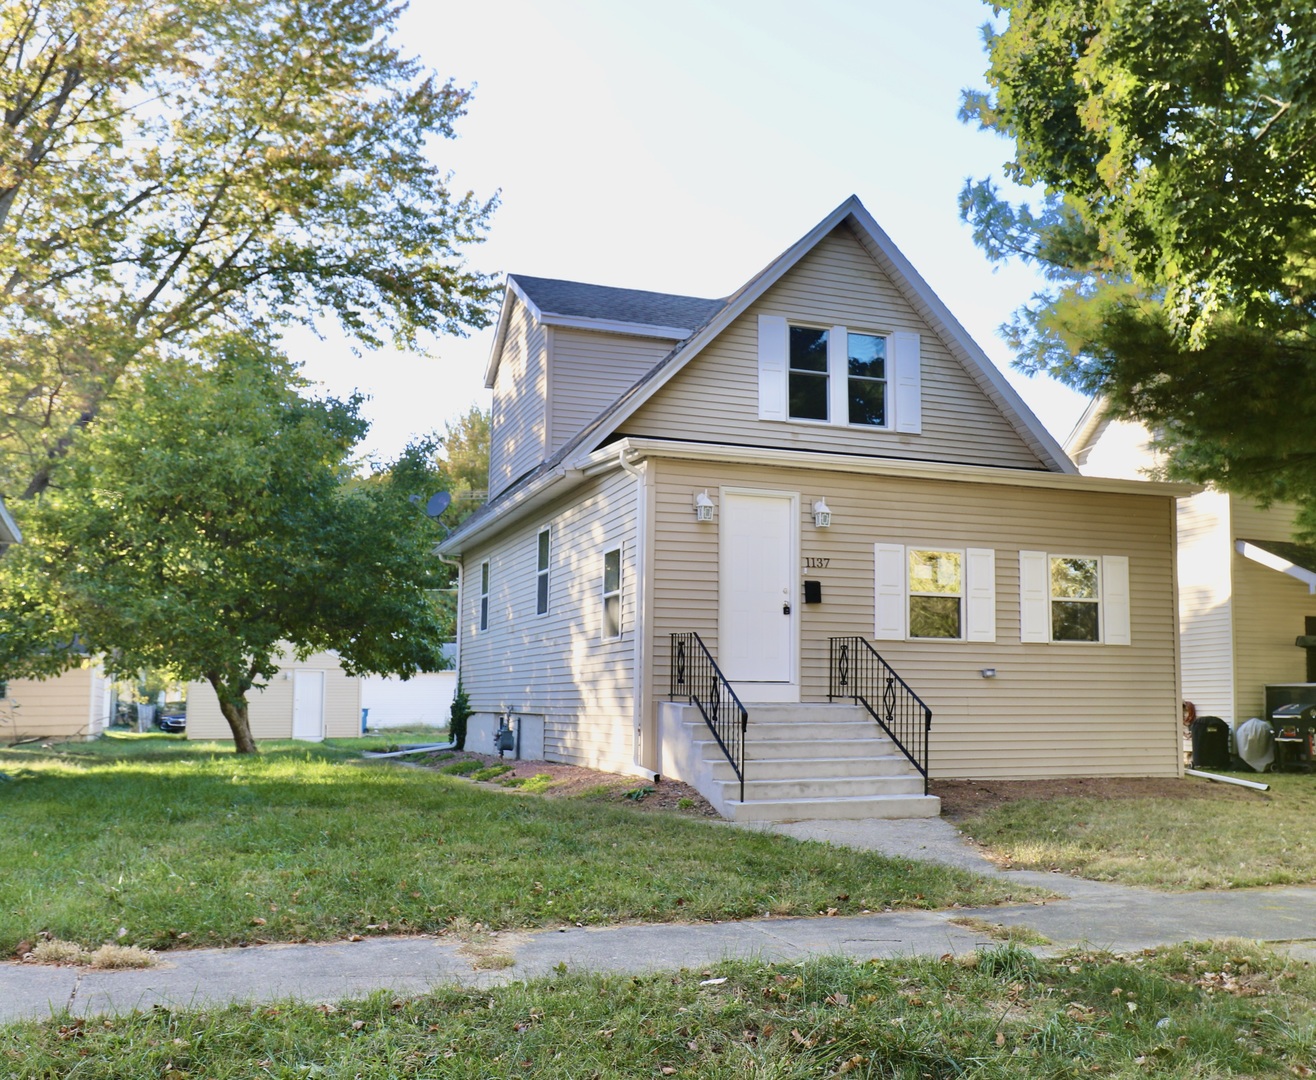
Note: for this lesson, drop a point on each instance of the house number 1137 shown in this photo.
(811, 563)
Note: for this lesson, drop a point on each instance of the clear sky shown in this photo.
(680, 146)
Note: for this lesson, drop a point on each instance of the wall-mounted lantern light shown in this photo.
(822, 514)
(703, 507)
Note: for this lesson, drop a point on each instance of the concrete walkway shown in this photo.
(1097, 915)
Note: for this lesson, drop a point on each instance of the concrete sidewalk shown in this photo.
(1093, 914)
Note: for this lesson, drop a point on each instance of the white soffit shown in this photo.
(1259, 553)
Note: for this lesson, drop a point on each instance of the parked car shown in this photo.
(172, 718)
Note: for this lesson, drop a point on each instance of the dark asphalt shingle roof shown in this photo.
(576, 299)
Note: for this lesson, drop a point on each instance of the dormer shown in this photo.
(564, 352)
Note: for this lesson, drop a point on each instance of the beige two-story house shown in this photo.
(803, 546)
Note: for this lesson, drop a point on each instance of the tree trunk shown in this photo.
(235, 712)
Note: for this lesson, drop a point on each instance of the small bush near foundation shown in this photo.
(461, 768)
(490, 772)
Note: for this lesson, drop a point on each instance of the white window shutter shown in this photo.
(909, 381)
(1115, 600)
(1034, 597)
(838, 375)
(980, 594)
(889, 603)
(772, 367)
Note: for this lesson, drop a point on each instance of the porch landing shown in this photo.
(802, 763)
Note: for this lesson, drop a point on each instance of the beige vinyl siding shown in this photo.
(1052, 709)
(588, 371)
(270, 709)
(1205, 608)
(73, 705)
(518, 425)
(556, 665)
(1270, 610)
(715, 397)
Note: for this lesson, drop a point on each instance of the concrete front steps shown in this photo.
(802, 762)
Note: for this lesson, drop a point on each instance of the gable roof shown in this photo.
(907, 281)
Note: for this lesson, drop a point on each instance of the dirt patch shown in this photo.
(575, 782)
(961, 799)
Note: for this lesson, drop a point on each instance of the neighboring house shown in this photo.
(316, 699)
(308, 699)
(822, 464)
(1245, 588)
(77, 704)
(424, 700)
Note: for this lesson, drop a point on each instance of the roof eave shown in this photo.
(638, 448)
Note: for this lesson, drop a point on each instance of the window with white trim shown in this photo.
(931, 592)
(544, 547)
(1074, 598)
(611, 594)
(839, 375)
(936, 592)
(484, 595)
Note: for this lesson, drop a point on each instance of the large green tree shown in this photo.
(206, 521)
(178, 168)
(1172, 148)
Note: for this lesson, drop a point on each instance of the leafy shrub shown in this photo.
(458, 714)
(461, 768)
(490, 772)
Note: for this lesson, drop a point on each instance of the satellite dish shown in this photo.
(438, 503)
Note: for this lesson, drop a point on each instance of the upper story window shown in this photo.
(808, 373)
(838, 375)
(866, 378)
(541, 573)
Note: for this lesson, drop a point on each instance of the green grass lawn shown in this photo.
(1192, 1012)
(154, 841)
(1225, 838)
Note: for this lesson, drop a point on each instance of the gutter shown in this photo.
(895, 467)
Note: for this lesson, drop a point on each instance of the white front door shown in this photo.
(757, 623)
(308, 705)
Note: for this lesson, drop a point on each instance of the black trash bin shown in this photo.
(1210, 743)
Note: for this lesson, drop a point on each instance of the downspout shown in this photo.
(641, 630)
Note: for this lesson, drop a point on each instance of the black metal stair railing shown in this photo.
(859, 673)
(696, 676)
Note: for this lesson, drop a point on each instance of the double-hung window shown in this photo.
(484, 595)
(541, 572)
(839, 375)
(611, 594)
(1078, 598)
(936, 593)
(808, 373)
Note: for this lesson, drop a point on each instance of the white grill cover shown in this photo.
(1255, 740)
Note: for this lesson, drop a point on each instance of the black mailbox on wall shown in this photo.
(813, 592)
